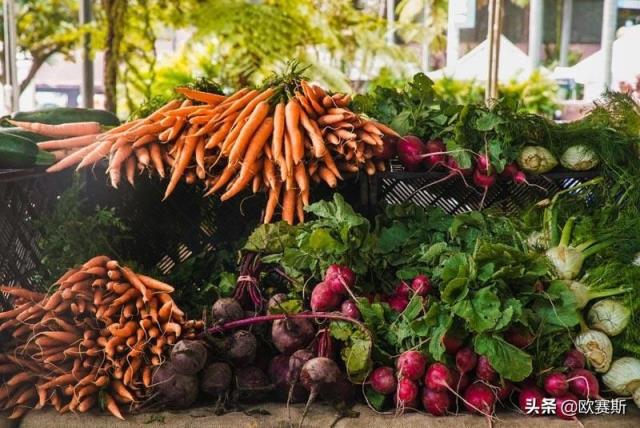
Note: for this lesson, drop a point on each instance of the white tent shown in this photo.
(514, 64)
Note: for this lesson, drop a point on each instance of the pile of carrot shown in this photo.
(279, 139)
(95, 340)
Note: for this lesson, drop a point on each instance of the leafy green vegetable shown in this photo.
(509, 361)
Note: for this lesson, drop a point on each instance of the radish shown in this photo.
(397, 302)
(434, 153)
(436, 403)
(519, 337)
(479, 398)
(387, 150)
(289, 335)
(556, 384)
(451, 344)
(421, 285)
(319, 376)
(339, 278)
(406, 394)
(530, 400)
(484, 371)
(510, 170)
(438, 377)
(483, 181)
(482, 164)
(350, 309)
(574, 360)
(466, 360)
(584, 384)
(411, 365)
(561, 408)
(505, 390)
(453, 165)
(402, 289)
(461, 381)
(410, 151)
(383, 380)
(323, 299)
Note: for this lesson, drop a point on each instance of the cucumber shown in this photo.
(32, 136)
(18, 152)
(58, 115)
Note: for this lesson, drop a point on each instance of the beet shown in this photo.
(383, 380)
(574, 360)
(323, 299)
(216, 379)
(174, 390)
(436, 403)
(296, 362)
(479, 398)
(350, 309)
(226, 310)
(411, 365)
(410, 150)
(319, 376)
(484, 371)
(290, 334)
(242, 348)
(252, 385)
(530, 399)
(421, 285)
(189, 356)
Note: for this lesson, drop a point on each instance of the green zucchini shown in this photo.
(18, 152)
(32, 136)
(58, 115)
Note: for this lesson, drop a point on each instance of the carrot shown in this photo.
(278, 131)
(269, 172)
(154, 284)
(239, 103)
(310, 94)
(14, 312)
(135, 281)
(314, 133)
(219, 135)
(125, 331)
(130, 294)
(86, 404)
(61, 380)
(306, 105)
(131, 371)
(18, 412)
(292, 120)
(172, 327)
(73, 158)
(68, 143)
(76, 129)
(302, 179)
(385, 129)
(251, 106)
(100, 260)
(200, 154)
(146, 376)
(300, 209)
(327, 176)
(111, 406)
(20, 378)
(130, 168)
(155, 152)
(331, 119)
(204, 97)
(329, 162)
(61, 336)
(225, 177)
(327, 102)
(96, 271)
(190, 144)
(22, 293)
(254, 125)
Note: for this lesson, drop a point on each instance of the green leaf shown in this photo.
(393, 238)
(227, 283)
(433, 252)
(481, 311)
(293, 306)
(455, 290)
(488, 121)
(509, 361)
(557, 308)
(436, 344)
(357, 357)
(414, 308)
(375, 399)
(271, 238)
(320, 240)
(341, 330)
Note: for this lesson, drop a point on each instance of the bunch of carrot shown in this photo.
(279, 139)
(95, 339)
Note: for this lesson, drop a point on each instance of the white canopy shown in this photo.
(514, 64)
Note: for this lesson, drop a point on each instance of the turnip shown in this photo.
(252, 385)
(438, 378)
(339, 278)
(466, 360)
(561, 407)
(451, 343)
(323, 299)
(319, 376)
(519, 337)
(406, 394)
(226, 310)
(410, 150)
(402, 289)
(479, 398)
(189, 356)
(421, 285)
(411, 365)
(350, 309)
(383, 380)
(584, 383)
(530, 399)
(434, 153)
(174, 390)
(387, 150)
(242, 348)
(556, 384)
(484, 371)
(290, 334)
(216, 379)
(436, 403)
(397, 302)
(574, 360)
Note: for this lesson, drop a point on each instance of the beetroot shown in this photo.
(438, 378)
(383, 380)
(530, 399)
(242, 348)
(479, 398)
(556, 384)
(410, 150)
(510, 170)
(434, 148)
(484, 371)
(175, 390)
(402, 289)
(436, 403)
(565, 411)
(519, 337)
(397, 302)
(297, 360)
(350, 309)
(339, 278)
(387, 150)
(226, 310)
(466, 360)
(407, 394)
(319, 376)
(252, 385)
(451, 343)
(421, 285)
(290, 334)
(411, 365)
(583, 383)
(323, 299)
(189, 356)
(216, 379)
(574, 360)
(277, 372)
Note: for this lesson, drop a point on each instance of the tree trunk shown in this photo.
(36, 63)
(115, 11)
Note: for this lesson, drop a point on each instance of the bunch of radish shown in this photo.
(399, 299)
(334, 291)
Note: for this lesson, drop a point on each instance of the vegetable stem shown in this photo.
(565, 238)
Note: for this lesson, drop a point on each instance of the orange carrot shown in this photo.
(292, 119)
(385, 129)
(135, 281)
(190, 144)
(289, 206)
(287, 171)
(155, 152)
(240, 103)
(272, 202)
(125, 331)
(250, 128)
(219, 135)
(75, 129)
(204, 97)
(327, 176)
(112, 407)
(306, 105)
(144, 140)
(247, 173)
(300, 209)
(22, 293)
(98, 153)
(278, 131)
(200, 153)
(154, 284)
(130, 168)
(328, 161)
(68, 143)
(310, 94)
(73, 158)
(302, 179)
(314, 133)
(269, 171)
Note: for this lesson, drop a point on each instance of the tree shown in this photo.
(45, 28)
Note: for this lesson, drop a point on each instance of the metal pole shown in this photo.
(453, 35)
(493, 39)
(86, 89)
(391, 18)
(565, 35)
(536, 27)
(426, 52)
(609, 24)
(11, 87)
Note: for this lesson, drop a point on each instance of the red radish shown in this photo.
(479, 398)
(350, 309)
(483, 181)
(383, 380)
(411, 365)
(510, 170)
(421, 285)
(453, 165)
(556, 384)
(434, 153)
(461, 381)
(583, 383)
(436, 403)
(519, 337)
(484, 371)
(406, 394)
(530, 400)
(505, 390)
(466, 360)
(561, 407)
(451, 344)
(387, 150)
(397, 303)
(323, 299)
(402, 289)
(410, 150)
(438, 377)
(482, 164)
(574, 360)
(339, 278)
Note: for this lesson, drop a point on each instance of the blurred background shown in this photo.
(555, 55)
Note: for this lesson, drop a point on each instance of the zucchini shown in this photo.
(18, 152)
(31, 136)
(58, 115)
